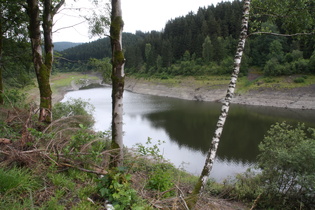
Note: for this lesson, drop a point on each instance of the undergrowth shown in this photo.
(66, 166)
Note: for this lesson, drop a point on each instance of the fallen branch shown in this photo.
(100, 172)
(5, 153)
(183, 200)
(5, 141)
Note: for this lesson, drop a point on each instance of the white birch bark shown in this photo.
(118, 77)
(225, 106)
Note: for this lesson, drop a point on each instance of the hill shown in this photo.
(60, 46)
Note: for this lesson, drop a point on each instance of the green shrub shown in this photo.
(311, 63)
(287, 161)
(161, 179)
(247, 186)
(89, 143)
(299, 80)
(274, 68)
(14, 97)
(74, 107)
(150, 149)
(299, 66)
(115, 187)
(9, 132)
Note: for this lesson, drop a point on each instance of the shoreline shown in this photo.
(296, 98)
(60, 92)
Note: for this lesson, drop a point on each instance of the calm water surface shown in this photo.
(187, 128)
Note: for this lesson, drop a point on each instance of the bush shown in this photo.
(299, 66)
(15, 98)
(273, 68)
(115, 187)
(161, 179)
(74, 107)
(86, 145)
(311, 63)
(287, 161)
(299, 80)
(226, 66)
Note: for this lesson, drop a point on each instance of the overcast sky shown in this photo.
(143, 15)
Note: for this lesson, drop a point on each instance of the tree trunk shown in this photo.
(42, 66)
(118, 80)
(224, 110)
(1, 64)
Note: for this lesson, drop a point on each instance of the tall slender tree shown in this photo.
(118, 80)
(1, 46)
(224, 110)
(43, 63)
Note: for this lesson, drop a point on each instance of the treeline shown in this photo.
(202, 44)
(196, 44)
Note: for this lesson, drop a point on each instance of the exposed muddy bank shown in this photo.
(296, 98)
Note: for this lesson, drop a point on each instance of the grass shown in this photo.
(244, 84)
(189, 81)
(58, 82)
(275, 83)
(16, 180)
(21, 188)
(16, 188)
(64, 79)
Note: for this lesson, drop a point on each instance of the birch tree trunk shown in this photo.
(42, 63)
(1, 64)
(118, 80)
(224, 110)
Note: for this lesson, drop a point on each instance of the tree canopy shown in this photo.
(212, 29)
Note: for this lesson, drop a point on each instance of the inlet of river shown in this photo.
(187, 128)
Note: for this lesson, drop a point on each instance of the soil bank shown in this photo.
(190, 89)
(294, 98)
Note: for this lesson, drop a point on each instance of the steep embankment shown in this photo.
(301, 97)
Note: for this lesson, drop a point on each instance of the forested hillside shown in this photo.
(203, 44)
(60, 46)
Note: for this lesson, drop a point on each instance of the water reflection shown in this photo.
(187, 127)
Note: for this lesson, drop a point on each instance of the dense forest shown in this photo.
(202, 44)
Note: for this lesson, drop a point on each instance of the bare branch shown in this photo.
(283, 35)
(72, 61)
(68, 26)
(57, 7)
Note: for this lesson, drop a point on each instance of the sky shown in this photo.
(143, 15)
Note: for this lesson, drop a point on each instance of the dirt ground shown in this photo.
(295, 98)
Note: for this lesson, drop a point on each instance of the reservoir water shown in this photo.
(187, 128)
